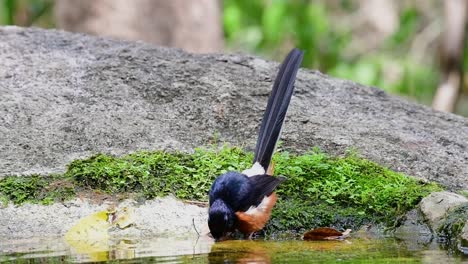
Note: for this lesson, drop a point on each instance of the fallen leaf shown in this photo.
(94, 226)
(90, 234)
(326, 233)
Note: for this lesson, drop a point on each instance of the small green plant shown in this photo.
(158, 173)
(35, 188)
(341, 191)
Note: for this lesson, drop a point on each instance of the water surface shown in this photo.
(203, 250)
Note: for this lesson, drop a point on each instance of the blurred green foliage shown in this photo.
(263, 26)
(272, 27)
(27, 13)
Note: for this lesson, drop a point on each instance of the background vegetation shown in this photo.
(336, 41)
(326, 32)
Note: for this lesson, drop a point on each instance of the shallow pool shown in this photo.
(203, 250)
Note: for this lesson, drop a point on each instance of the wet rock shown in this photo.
(414, 230)
(436, 206)
(66, 96)
(464, 238)
(450, 232)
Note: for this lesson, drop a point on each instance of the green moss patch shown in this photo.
(344, 192)
(320, 190)
(449, 231)
(36, 189)
(158, 173)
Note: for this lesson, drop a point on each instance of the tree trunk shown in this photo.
(191, 25)
(453, 43)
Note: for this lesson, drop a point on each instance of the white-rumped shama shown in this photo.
(244, 201)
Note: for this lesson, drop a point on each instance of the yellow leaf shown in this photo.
(90, 236)
(94, 226)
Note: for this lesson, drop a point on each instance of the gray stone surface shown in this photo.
(415, 230)
(436, 205)
(158, 217)
(66, 96)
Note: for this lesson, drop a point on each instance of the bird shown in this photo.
(244, 200)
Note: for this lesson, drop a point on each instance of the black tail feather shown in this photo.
(277, 107)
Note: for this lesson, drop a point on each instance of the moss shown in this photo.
(320, 190)
(36, 189)
(158, 173)
(343, 188)
(464, 193)
(298, 216)
(450, 230)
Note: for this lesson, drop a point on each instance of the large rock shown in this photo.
(66, 96)
(414, 229)
(436, 206)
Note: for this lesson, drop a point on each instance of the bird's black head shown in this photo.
(221, 219)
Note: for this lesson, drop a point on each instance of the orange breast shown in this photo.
(256, 218)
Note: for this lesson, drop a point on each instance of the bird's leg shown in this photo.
(249, 236)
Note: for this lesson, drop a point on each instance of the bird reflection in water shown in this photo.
(238, 251)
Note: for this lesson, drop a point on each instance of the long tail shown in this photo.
(277, 107)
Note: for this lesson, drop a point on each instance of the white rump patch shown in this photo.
(261, 208)
(256, 169)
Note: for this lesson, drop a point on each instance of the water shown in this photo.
(203, 250)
